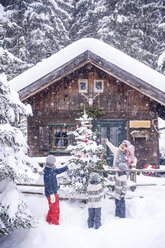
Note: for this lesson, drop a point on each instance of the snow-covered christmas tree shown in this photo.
(86, 156)
(15, 165)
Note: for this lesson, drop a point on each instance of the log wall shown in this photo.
(60, 103)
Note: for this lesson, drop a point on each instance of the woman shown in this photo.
(119, 153)
(125, 153)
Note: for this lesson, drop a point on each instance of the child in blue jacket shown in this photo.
(51, 186)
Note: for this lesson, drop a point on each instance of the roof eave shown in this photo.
(99, 62)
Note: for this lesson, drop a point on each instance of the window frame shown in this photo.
(83, 80)
(58, 149)
(95, 89)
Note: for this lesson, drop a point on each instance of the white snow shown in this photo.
(161, 60)
(121, 19)
(101, 49)
(143, 227)
(161, 124)
(10, 199)
(7, 53)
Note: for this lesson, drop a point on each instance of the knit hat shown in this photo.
(94, 177)
(130, 154)
(126, 142)
(123, 167)
(50, 159)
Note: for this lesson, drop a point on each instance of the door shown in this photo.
(114, 131)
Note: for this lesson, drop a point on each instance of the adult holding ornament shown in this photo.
(125, 153)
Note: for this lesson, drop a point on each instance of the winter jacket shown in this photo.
(50, 180)
(95, 193)
(120, 182)
(119, 156)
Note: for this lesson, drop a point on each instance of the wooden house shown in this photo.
(91, 74)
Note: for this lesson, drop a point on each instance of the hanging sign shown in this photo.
(139, 124)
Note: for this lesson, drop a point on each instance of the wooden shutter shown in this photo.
(44, 138)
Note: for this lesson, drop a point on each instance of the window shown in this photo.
(98, 85)
(59, 136)
(83, 85)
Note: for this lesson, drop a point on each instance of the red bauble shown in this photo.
(79, 156)
(85, 140)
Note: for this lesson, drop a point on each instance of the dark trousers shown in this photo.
(120, 208)
(94, 217)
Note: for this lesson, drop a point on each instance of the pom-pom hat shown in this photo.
(123, 167)
(50, 159)
(94, 177)
(126, 143)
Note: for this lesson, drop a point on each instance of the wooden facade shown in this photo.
(57, 104)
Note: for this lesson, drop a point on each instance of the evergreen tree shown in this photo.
(15, 165)
(133, 28)
(33, 30)
(9, 63)
(161, 47)
(7, 60)
(161, 63)
(86, 156)
(47, 28)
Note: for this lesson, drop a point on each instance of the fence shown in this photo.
(38, 189)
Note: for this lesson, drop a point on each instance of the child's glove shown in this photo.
(122, 196)
(52, 198)
(70, 166)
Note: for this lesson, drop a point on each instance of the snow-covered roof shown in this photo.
(101, 49)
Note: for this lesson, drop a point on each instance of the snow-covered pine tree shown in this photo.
(9, 33)
(86, 156)
(161, 63)
(47, 27)
(15, 165)
(33, 30)
(134, 28)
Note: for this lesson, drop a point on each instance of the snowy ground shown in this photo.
(144, 226)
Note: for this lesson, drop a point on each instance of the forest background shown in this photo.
(32, 30)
